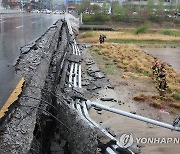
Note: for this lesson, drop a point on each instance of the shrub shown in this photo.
(140, 97)
(157, 104)
(155, 18)
(142, 29)
(167, 32)
(176, 96)
(177, 21)
(97, 18)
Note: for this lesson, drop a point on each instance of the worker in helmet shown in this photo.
(156, 70)
(162, 82)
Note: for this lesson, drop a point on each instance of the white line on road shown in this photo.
(2, 22)
(20, 26)
(33, 22)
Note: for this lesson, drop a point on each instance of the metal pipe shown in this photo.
(73, 48)
(68, 24)
(79, 77)
(133, 116)
(75, 75)
(70, 74)
(86, 115)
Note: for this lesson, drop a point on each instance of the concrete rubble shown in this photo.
(41, 120)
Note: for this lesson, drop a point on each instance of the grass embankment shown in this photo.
(157, 37)
(137, 65)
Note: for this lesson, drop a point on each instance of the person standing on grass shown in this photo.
(100, 39)
(103, 37)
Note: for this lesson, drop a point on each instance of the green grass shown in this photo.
(145, 42)
(110, 69)
(95, 49)
(176, 96)
(145, 73)
(170, 32)
(88, 34)
(136, 70)
(141, 29)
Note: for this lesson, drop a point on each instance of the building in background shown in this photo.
(143, 3)
(16, 4)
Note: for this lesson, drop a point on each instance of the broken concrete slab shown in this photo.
(25, 50)
(85, 83)
(90, 62)
(93, 68)
(75, 58)
(17, 136)
(99, 75)
(110, 86)
(93, 86)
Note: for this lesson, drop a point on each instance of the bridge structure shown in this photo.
(52, 94)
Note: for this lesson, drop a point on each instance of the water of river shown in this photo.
(168, 55)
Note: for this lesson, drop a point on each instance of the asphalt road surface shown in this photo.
(15, 32)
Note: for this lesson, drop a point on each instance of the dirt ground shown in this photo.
(123, 92)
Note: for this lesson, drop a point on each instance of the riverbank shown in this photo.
(120, 95)
(157, 38)
(136, 64)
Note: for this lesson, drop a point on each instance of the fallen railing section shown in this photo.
(79, 104)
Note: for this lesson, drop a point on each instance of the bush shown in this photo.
(142, 29)
(170, 32)
(176, 96)
(177, 21)
(118, 17)
(167, 32)
(155, 18)
(97, 18)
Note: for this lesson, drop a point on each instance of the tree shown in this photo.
(104, 7)
(84, 6)
(160, 5)
(118, 9)
(150, 4)
(95, 8)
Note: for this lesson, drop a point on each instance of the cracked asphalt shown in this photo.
(15, 32)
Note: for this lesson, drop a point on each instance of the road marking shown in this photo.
(13, 97)
(2, 22)
(20, 26)
(33, 22)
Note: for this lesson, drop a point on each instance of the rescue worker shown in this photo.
(100, 39)
(176, 121)
(162, 82)
(162, 66)
(103, 37)
(156, 70)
